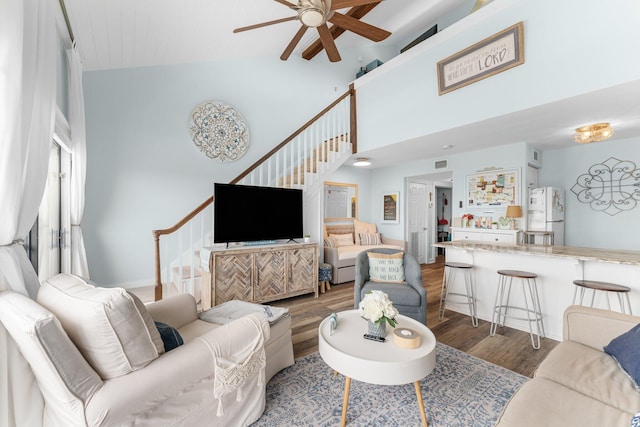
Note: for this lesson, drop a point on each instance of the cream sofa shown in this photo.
(123, 376)
(578, 384)
(343, 258)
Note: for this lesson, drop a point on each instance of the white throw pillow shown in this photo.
(65, 379)
(342, 239)
(103, 323)
(150, 324)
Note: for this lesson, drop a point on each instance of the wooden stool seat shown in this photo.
(458, 265)
(602, 286)
(518, 273)
(469, 296)
(598, 286)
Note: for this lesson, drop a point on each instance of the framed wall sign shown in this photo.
(486, 58)
(391, 208)
(493, 188)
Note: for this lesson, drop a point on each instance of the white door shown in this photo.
(417, 229)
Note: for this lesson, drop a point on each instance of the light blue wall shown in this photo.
(400, 101)
(393, 179)
(144, 173)
(584, 225)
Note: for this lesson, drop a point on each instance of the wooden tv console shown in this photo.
(260, 273)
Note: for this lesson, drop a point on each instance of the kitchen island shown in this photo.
(556, 266)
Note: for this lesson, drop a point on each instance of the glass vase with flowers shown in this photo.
(378, 309)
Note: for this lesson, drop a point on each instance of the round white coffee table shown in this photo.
(348, 353)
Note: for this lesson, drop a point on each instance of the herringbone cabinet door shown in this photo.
(302, 270)
(233, 278)
(270, 280)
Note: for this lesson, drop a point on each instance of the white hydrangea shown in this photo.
(376, 306)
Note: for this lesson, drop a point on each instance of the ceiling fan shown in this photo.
(316, 14)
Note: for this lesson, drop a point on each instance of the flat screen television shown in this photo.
(245, 213)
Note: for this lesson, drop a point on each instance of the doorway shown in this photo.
(443, 213)
(424, 213)
(417, 219)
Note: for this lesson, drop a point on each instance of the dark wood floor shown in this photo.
(509, 348)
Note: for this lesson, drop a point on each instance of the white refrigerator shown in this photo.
(546, 212)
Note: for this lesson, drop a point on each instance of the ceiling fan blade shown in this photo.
(286, 3)
(341, 4)
(293, 43)
(264, 24)
(355, 12)
(328, 43)
(361, 28)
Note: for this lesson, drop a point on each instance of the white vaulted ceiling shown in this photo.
(133, 33)
(113, 34)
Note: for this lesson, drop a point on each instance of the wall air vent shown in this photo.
(440, 164)
(534, 158)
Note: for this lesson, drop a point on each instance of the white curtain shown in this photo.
(79, 263)
(28, 49)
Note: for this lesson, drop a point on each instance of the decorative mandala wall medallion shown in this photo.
(612, 186)
(219, 131)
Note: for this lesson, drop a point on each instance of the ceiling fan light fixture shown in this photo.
(362, 161)
(312, 17)
(593, 133)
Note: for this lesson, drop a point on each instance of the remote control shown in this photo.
(374, 338)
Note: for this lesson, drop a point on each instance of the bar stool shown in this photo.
(621, 291)
(531, 303)
(450, 269)
(324, 276)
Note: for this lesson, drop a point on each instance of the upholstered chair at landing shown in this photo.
(396, 273)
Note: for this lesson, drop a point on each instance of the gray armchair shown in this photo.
(409, 299)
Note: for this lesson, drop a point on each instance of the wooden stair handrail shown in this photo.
(157, 233)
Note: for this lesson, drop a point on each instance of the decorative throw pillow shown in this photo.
(363, 228)
(64, 377)
(386, 267)
(329, 242)
(148, 321)
(170, 336)
(103, 323)
(626, 350)
(370, 239)
(342, 239)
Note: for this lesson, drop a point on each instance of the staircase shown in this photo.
(301, 161)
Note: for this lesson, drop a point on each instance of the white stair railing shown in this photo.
(181, 255)
(308, 154)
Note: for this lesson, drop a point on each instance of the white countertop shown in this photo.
(571, 252)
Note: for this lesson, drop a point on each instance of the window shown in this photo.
(47, 243)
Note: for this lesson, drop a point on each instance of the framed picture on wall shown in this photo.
(391, 207)
(493, 188)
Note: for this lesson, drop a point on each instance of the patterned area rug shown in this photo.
(462, 391)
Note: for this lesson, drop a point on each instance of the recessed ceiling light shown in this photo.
(447, 146)
(362, 161)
